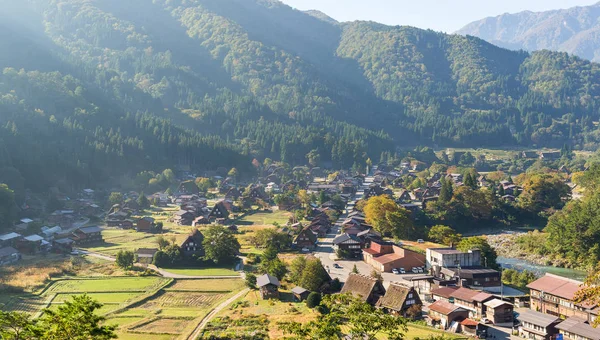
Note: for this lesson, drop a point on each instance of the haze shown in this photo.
(439, 15)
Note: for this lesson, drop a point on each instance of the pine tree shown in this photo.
(446, 191)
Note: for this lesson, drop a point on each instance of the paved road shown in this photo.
(214, 312)
(162, 271)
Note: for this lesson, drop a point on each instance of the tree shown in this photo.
(355, 270)
(267, 238)
(444, 235)
(169, 176)
(314, 276)
(143, 201)
(446, 191)
(542, 191)
(204, 184)
(376, 275)
(313, 157)
(488, 254)
(220, 245)
(125, 259)
(8, 207)
(18, 326)
(359, 320)
(251, 281)
(470, 181)
(115, 198)
(313, 300)
(232, 173)
(162, 242)
(297, 269)
(387, 217)
(466, 159)
(76, 320)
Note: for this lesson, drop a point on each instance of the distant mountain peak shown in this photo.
(575, 30)
(322, 16)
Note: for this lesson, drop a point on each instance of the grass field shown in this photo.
(120, 239)
(207, 285)
(106, 284)
(265, 218)
(251, 314)
(203, 271)
(176, 310)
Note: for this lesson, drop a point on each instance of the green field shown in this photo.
(265, 218)
(202, 271)
(109, 284)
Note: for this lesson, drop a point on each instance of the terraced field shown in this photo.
(164, 326)
(209, 285)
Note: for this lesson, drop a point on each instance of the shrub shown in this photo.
(251, 281)
(313, 300)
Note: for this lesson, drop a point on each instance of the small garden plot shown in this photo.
(30, 304)
(123, 321)
(113, 284)
(251, 326)
(104, 298)
(187, 299)
(207, 285)
(163, 326)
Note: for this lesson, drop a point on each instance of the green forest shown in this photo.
(92, 89)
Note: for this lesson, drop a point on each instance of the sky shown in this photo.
(440, 15)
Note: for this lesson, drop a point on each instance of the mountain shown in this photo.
(111, 87)
(575, 30)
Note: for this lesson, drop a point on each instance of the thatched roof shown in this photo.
(394, 297)
(361, 286)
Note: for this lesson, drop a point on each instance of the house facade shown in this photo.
(555, 295)
(87, 235)
(398, 299)
(9, 255)
(268, 286)
(192, 245)
(365, 288)
(385, 256)
(537, 326)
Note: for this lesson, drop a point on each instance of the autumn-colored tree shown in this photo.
(387, 217)
(542, 191)
(444, 235)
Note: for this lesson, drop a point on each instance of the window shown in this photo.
(487, 279)
(410, 296)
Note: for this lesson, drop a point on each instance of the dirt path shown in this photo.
(214, 312)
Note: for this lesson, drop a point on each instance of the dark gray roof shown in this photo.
(345, 238)
(9, 236)
(579, 327)
(537, 318)
(267, 279)
(6, 251)
(299, 290)
(64, 241)
(89, 230)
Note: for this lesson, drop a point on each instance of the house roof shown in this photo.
(90, 230)
(444, 307)
(579, 327)
(444, 292)
(9, 236)
(469, 295)
(267, 279)
(147, 251)
(6, 251)
(359, 286)
(182, 212)
(299, 290)
(469, 322)
(446, 251)
(556, 285)
(495, 303)
(394, 297)
(537, 318)
(33, 238)
(387, 258)
(345, 238)
(64, 241)
(308, 233)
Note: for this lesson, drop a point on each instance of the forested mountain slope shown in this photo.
(139, 84)
(575, 30)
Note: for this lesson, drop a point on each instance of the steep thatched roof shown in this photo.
(394, 297)
(361, 286)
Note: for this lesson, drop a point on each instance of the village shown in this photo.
(314, 214)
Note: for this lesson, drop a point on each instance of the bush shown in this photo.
(336, 285)
(313, 300)
(251, 281)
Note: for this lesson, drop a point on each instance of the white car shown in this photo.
(395, 271)
(420, 240)
(415, 270)
(402, 271)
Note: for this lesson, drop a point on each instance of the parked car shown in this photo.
(395, 271)
(421, 269)
(486, 321)
(420, 240)
(337, 266)
(402, 271)
(415, 270)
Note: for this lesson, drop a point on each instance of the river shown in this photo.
(519, 264)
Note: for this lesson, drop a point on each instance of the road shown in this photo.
(162, 272)
(326, 253)
(215, 311)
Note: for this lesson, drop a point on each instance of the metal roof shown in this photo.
(537, 318)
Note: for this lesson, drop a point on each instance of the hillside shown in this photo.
(575, 30)
(126, 86)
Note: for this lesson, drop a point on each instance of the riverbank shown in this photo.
(512, 255)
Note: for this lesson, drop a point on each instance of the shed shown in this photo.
(300, 293)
